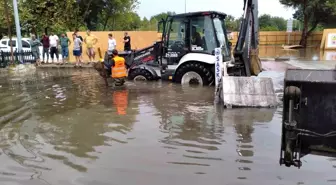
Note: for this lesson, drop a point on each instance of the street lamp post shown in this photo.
(17, 26)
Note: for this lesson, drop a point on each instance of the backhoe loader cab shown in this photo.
(189, 41)
(187, 49)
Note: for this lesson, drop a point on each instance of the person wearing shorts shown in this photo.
(81, 47)
(90, 41)
(77, 50)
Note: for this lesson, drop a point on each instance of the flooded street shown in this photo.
(63, 127)
(311, 53)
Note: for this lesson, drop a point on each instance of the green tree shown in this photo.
(269, 23)
(311, 13)
(161, 16)
(7, 15)
(6, 19)
(145, 25)
(125, 21)
(280, 23)
(157, 18)
(332, 5)
(114, 7)
(231, 23)
(265, 21)
(41, 15)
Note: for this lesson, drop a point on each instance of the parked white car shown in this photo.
(5, 46)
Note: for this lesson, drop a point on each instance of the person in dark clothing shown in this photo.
(46, 45)
(110, 63)
(127, 42)
(54, 42)
(196, 37)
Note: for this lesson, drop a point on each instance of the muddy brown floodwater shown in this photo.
(311, 53)
(62, 127)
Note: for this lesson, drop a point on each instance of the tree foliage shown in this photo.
(232, 24)
(266, 22)
(312, 13)
(37, 16)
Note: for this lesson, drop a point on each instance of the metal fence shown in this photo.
(18, 58)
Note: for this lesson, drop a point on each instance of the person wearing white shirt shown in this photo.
(53, 40)
(112, 44)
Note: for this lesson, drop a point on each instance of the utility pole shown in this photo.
(185, 6)
(17, 26)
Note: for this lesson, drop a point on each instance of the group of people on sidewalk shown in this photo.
(51, 45)
(90, 41)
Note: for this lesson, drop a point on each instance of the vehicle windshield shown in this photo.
(202, 34)
(221, 36)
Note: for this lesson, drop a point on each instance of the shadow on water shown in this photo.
(65, 127)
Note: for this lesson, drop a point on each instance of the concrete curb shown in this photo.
(63, 66)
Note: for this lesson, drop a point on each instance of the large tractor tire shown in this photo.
(194, 73)
(140, 75)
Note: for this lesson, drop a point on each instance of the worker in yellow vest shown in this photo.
(118, 69)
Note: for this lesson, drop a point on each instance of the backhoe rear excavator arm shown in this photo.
(246, 50)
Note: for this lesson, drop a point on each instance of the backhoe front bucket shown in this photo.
(247, 92)
(309, 115)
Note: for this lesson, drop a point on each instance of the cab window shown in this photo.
(177, 35)
(222, 36)
(202, 34)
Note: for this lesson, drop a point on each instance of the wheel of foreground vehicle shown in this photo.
(140, 75)
(194, 74)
